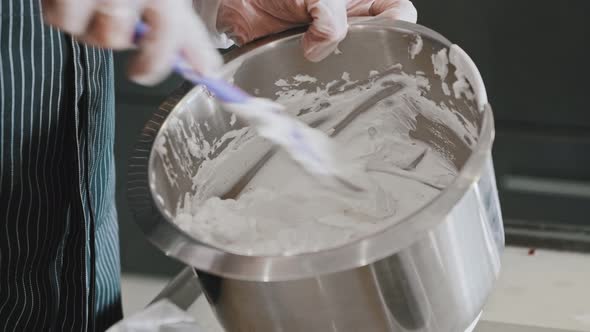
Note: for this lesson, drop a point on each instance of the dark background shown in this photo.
(532, 56)
(533, 59)
(135, 105)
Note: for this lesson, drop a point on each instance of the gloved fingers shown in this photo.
(160, 45)
(329, 27)
(198, 50)
(72, 16)
(175, 30)
(245, 21)
(233, 20)
(208, 11)
(113, 23)
(395, 9)
(355, 8)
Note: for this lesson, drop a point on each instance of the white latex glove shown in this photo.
(246, 20)
(174, 29)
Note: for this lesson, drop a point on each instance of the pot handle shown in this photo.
(183, 290)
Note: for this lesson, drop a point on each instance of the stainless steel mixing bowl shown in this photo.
(430, 272)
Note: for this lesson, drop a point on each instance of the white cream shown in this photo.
(283, 211)
(440, 61)
(468, 77)
(305, 78)
(469, 83)
(416, 47)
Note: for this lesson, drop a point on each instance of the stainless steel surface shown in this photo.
(431, 272)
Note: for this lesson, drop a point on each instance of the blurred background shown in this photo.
(531, 55)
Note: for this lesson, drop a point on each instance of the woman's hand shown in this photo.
(175, 29)
(246, 20)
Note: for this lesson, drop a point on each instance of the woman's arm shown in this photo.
(174, 29)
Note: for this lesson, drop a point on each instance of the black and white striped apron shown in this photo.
(56, 179)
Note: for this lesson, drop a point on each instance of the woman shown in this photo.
(59, 253)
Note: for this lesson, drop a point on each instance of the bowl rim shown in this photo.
(162, 232)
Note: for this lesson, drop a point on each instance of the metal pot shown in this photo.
(431, 272)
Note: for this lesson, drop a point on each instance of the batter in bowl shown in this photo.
(283, 211)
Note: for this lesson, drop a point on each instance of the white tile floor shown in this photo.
(548, 289)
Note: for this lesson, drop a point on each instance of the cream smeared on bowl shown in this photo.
(283, 211)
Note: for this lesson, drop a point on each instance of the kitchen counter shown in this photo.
(501, 327)
(206, 319)
(544, 291)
